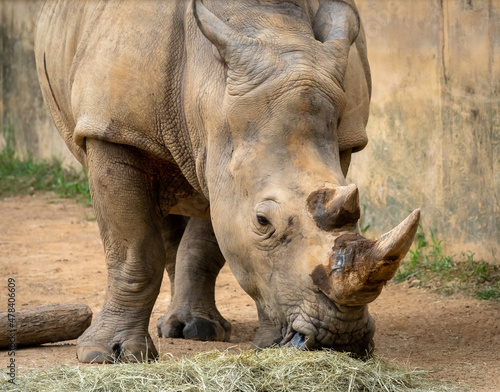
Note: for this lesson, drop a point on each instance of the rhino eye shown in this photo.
(262, 220)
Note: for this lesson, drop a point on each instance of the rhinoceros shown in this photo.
(220, 131)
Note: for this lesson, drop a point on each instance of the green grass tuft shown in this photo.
(428, 266)
(488, 293)
(19, 177)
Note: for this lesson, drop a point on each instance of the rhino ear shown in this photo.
(337, 25)
(227, 41)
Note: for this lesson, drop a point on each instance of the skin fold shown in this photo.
(213, 132)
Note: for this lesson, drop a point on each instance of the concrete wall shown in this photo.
(21, 106)
(434, 127)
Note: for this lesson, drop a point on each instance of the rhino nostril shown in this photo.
(117, 351)
(342, 257)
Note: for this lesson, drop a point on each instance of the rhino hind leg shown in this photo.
(130, 226)
(173, 228)
(192, 313)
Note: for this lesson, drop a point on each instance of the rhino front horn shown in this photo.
(360, 267)
(390, 248)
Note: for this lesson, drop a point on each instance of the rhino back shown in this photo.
(141, 73)
(112, 70)
(55, 46)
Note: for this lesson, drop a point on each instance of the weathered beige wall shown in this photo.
(434, 128)
(21, 106)
(435, 120)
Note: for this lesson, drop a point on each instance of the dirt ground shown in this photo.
(53, 250)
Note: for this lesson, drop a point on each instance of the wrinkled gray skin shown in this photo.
(241, 116)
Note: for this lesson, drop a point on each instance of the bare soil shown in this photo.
(53, 250)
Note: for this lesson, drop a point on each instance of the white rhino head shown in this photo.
(285, 217)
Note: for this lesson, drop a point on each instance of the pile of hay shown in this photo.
(268, 370)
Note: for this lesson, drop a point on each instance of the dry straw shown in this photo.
(268, 370)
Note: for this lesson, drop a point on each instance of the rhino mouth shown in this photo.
(349, 329)
(333, 311)
(294, 337)
(301, 341)
(297, 340)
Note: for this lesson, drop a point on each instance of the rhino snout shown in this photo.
(358, 268)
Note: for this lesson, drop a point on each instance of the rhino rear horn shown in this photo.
(337, 25)
(333, 208)
(227, 41)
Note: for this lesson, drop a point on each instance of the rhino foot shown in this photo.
(185, 325)
(111, 345)
(98, 353)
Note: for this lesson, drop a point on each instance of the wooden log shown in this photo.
(43, 324)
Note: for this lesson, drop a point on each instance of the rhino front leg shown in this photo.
(192, 313)
(130, 225)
